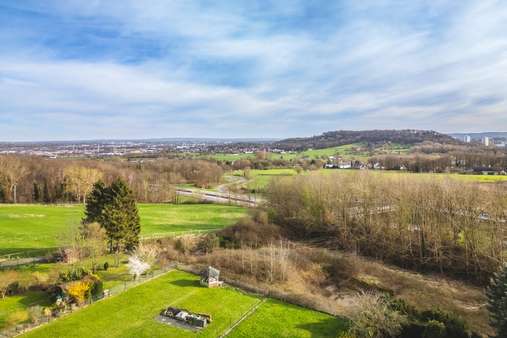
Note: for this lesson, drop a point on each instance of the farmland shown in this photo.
(353, 151)
(38, 228)
(137, 308)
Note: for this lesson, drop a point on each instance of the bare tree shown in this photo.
(12, 171)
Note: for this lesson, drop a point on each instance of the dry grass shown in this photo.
(329, 280)
(426, 291)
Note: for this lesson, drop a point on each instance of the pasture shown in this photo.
(36, 229)
(259, 179)
(133, 313)
(353, 151)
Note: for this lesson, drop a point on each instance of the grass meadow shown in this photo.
(259, 179)
(133, 313)
(35, 229)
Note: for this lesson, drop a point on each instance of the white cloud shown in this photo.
(418, 64)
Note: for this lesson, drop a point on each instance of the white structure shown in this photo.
(467, 139)
(485, 141)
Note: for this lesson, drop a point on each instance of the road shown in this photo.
(222, 193)
(218, 197)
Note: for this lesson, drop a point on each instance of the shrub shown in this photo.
(40, 279)
(250, 232)
(209, 243)
(106, 266)
(97, 286)
(180, 246)
(7, 280)
(497, 302)
(455, 326)
(84, 289)
(373, 316)
(35, 314)
(78, 291)
(73, 274)
(434, 329)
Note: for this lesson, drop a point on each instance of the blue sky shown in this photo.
(88, 69)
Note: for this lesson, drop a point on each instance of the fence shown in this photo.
(116, 290)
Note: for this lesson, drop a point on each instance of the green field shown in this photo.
(356, 151)
(277, 319)
(258, 180)
(133, 313)
(34, 229)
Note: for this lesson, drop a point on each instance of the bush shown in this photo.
(106, 266)
(250, 232)
(497, 302)
(209, 243)
(74, 274)
(455, 326)
(97, 288)
(434, 329)
(81, 290)
(78, 291)
(180, 246)
(35, 314)
(373, 316)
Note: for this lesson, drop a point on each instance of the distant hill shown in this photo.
(372, 137)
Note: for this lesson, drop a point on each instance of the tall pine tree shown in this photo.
(497, 302)
(96, 201)
(115, 209)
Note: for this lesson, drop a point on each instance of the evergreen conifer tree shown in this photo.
(115, 209)
(36, 194)
(497, 302)
(46, 198)
(96, 201)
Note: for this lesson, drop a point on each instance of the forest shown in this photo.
(27, 179)
(421, 223)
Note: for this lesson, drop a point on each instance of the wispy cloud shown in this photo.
(86, 69)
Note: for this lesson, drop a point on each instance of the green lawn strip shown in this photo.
(277, 319)
(14, 309)
(132, 313)
(36, 229)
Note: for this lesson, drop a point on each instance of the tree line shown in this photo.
(441, 158)
(422, 223)
(32, 179)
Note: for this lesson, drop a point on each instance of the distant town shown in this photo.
(104, 148)
(154, 147)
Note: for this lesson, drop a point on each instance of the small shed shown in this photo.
(210, 277)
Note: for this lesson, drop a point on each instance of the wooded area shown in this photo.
(422, 223)
(30, 179)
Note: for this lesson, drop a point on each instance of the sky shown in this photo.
(88, 69)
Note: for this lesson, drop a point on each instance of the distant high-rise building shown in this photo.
(485, 141)
(467, 139)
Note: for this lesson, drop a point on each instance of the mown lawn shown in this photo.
(258, 179)
(133, 313)
(276, 319)
(36, 229)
